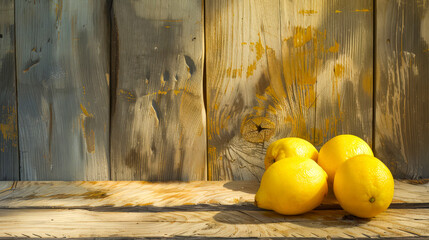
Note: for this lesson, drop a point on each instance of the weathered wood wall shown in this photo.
(116, 90)
(158, 118)
(9, 160)
(63, 92)
(402, 87)
(284, 68)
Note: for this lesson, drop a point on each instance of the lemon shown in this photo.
(337, 150)
(289, 147)
(363, 186)
(292, 186)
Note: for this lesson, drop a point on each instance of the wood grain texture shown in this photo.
(63, 92)
(158, 115)
(155, 196)
(188, 210)
(402, 60)
(9, 158)
(320, 224)
(344, 95)
(242, 57)
(304, 70)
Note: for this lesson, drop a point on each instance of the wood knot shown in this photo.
(257, 130)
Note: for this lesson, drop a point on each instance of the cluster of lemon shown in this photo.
(297, 177)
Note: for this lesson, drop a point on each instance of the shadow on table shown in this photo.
(243, 186)
(313, 219)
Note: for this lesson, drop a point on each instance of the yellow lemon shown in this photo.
(289, 147)
(364, 186)
(337, 150)
(292, 186)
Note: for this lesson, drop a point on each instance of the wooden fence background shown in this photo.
(196, 90)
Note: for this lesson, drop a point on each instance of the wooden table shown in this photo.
(191, 210)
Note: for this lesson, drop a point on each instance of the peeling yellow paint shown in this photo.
(259, 48)
(292, 90)
(338, 11)
(160, 92)
(334, 48)
(250, 69)
(298, 125)
(212, 154)
(302, 36)
(8, 128)
(367, 83)
(261, 97)
(83, 88)
(89, 136)
(224, 122)
(309, 97)
(127, 94)
(254, 46)
(161, 79)
(85, 112)
(272, 110)
(108, 79)
(243, 43)
(330, 129)
(307, 12)
(338, 70)
(338, 74)
(58, 14)
(167, 26)
(59, 9)
(237, 72)
(362, 10)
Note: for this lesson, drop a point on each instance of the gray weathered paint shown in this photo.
(158, 116)
(63, 89)
(9, 162)
(402, 87)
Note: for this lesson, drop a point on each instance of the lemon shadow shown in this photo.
(312, 219)
(243, 186)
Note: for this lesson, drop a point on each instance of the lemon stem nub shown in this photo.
(372, 199)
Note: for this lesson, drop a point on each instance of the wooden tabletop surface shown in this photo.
(191, 210)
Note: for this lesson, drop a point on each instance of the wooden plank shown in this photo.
(344, 95)
(155, 196)
(402, 57)
(243, 75)
(233, 224)
(293, 72)
(158, 115)
(63, 89)
(9, 159)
